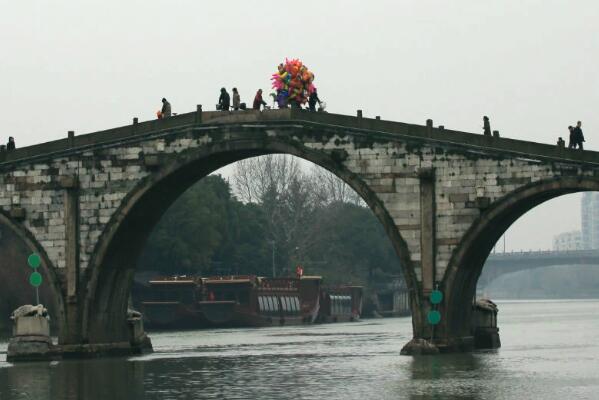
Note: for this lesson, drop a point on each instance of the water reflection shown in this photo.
(73, 380)
(445, 376)
(444, 366)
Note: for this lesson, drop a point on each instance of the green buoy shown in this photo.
(434, 317)
(436, 297)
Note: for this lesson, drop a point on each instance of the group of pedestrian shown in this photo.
(575, 137)
(224, 101)
(259, 103)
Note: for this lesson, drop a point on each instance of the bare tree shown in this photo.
(255, 178)
(296, 203)
(332, 189)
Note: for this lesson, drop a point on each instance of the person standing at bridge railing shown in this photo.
(486, 126)
(236, 99)
(165, 112)
(224, 101)
(11, 144)
(571, 141)
(312, 100)
(258, 100)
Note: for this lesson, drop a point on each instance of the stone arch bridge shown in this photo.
(87, 203)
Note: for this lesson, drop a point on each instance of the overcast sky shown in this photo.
(530, 65)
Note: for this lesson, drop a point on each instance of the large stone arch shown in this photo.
(52, 280)
(110, 272)
(467, 261)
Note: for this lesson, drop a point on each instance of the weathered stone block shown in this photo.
(17, 213)
(459, 197)
(68, 182)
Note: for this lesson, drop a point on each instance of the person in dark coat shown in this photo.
(578, 136)
(166, 109)
(571, 140)
(11, 144)
(486, 126)
(258, 101)
(224, 101)
(312, 100)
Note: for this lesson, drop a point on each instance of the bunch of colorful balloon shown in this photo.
(293, 83)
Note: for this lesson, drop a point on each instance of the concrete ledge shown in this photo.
(101, 350)
(31, 348)
(419, 346)
(41, 349)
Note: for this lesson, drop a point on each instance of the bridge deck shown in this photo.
(377, 128)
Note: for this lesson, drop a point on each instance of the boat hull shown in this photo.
(172, 316)
(233, 315)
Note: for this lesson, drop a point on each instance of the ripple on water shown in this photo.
(549, 353)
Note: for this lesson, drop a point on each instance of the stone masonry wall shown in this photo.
(390, 168)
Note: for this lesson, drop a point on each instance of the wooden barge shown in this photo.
(183, 302)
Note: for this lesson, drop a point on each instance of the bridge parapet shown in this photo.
(374, 128)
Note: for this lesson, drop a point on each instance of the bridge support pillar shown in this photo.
(72, 330)
(423, 343)
(427, 229)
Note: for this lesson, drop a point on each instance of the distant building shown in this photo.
(590, 220)
(568, 241)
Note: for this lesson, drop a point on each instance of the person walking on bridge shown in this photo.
(224, 101)
(258, 101)
(236, 99)
(166, 109)
(312, 100)
(578, 136)
(11, 144)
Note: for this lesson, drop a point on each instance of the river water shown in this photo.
(550, 351)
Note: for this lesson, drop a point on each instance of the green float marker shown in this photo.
(34, 260)
(35, 279)
(434, 317)
(436, 297)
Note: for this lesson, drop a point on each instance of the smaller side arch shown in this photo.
(48, 269)
(468, 259)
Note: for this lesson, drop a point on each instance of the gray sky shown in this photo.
(528, 64)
